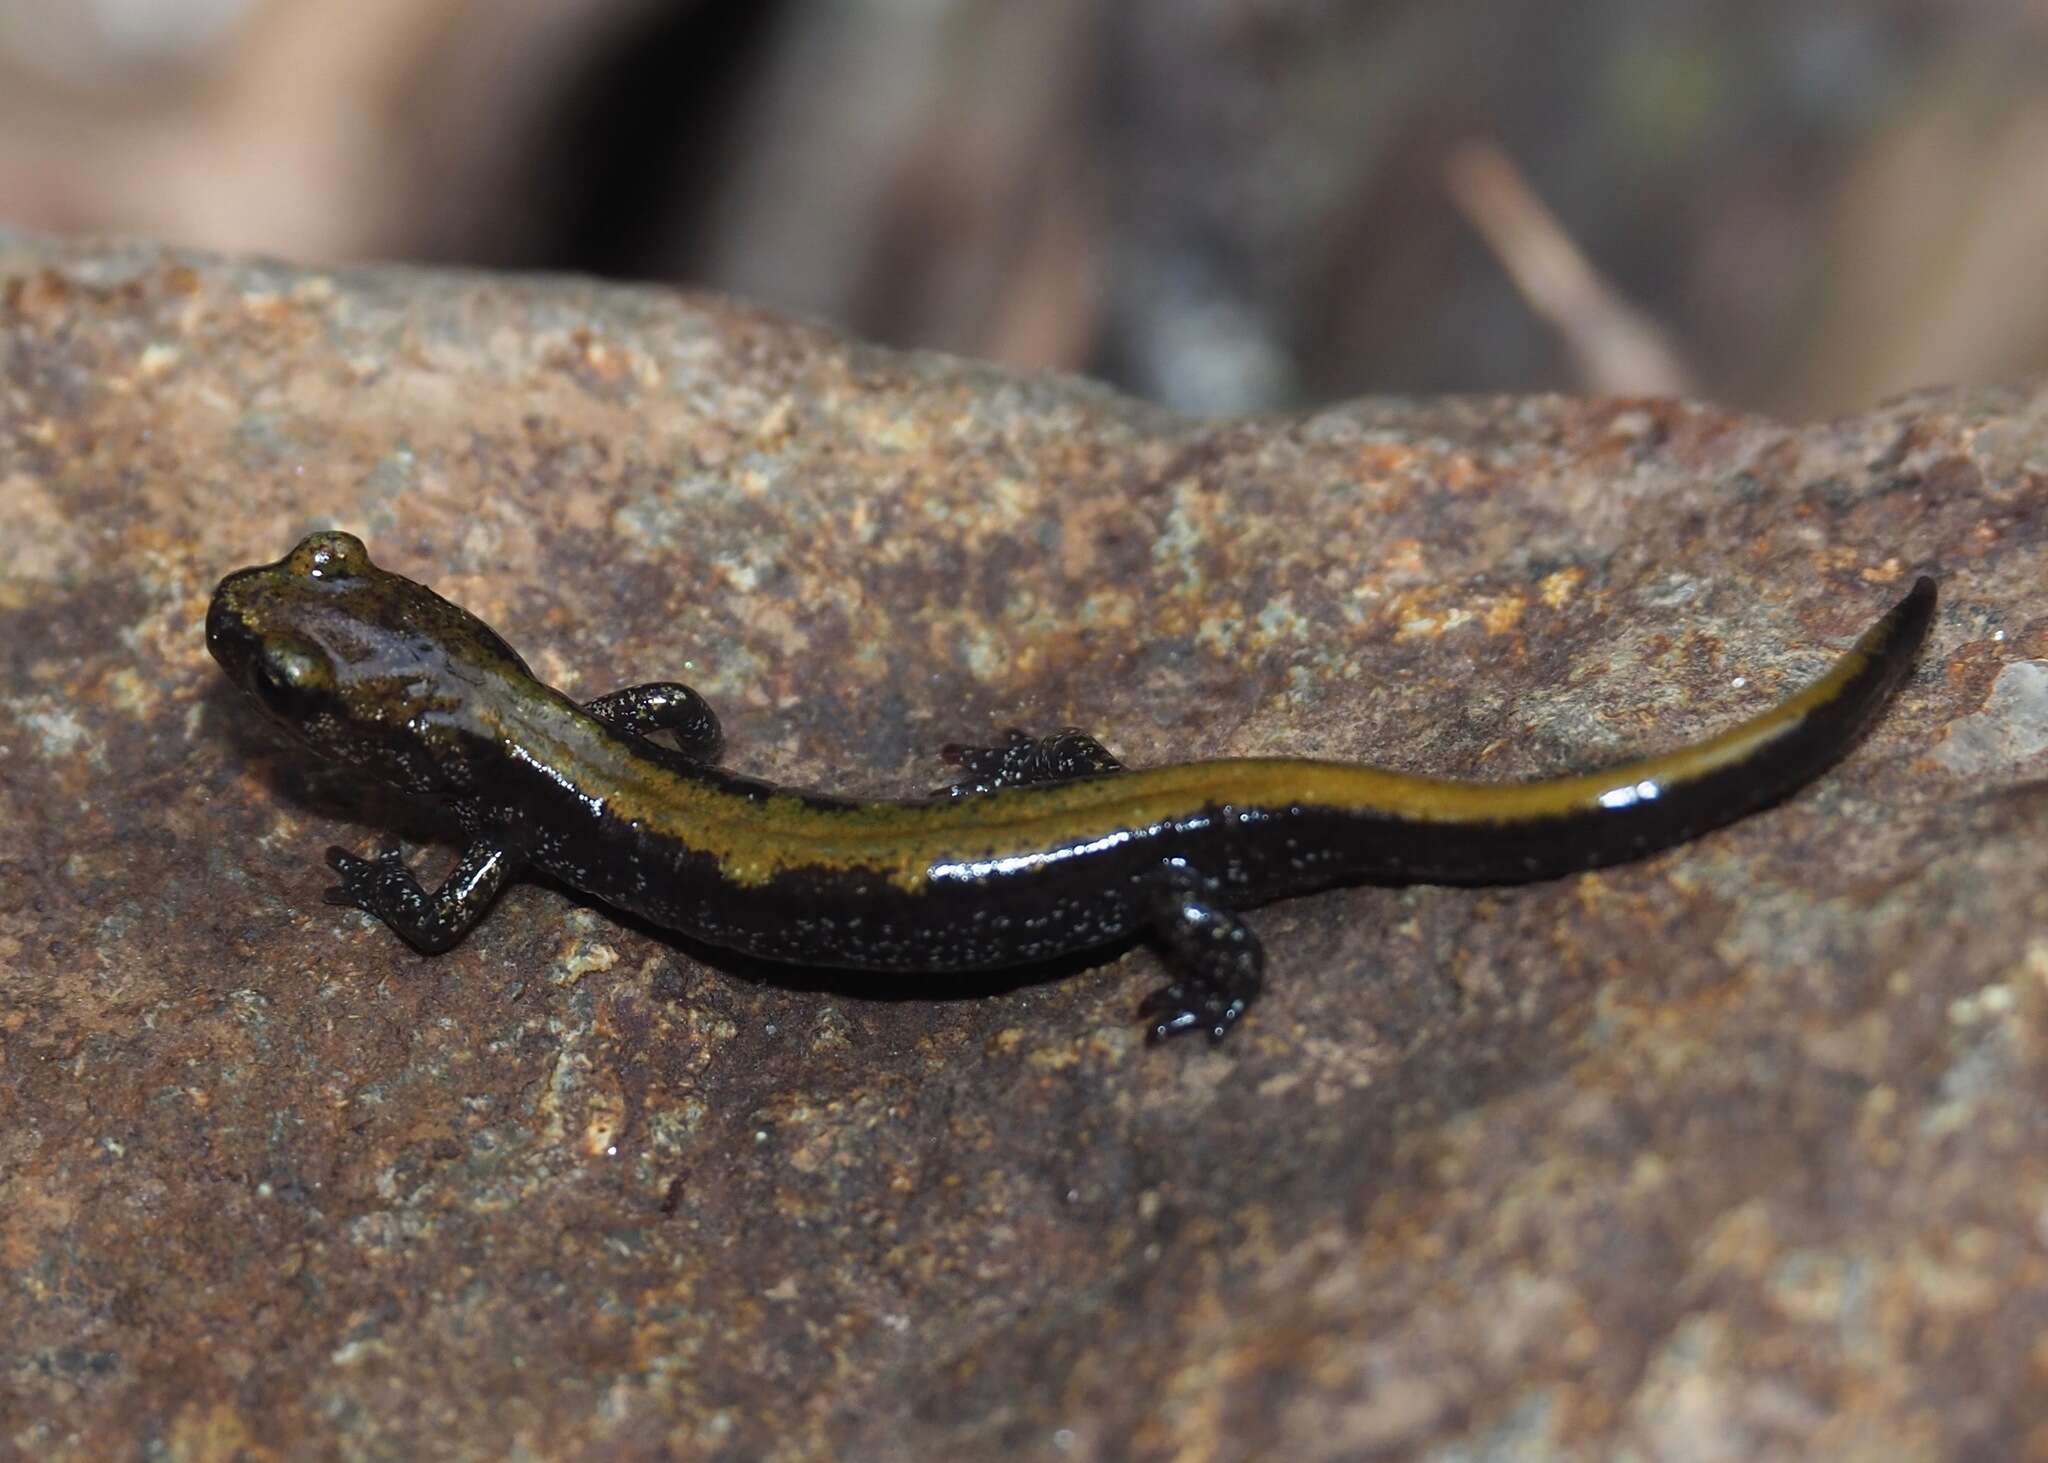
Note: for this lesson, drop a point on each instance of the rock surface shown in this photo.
(1738, 1152)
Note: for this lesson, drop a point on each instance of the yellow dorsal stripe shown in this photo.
(900, 840)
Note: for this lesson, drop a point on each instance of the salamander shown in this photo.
(1046, 846)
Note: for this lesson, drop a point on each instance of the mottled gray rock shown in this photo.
(1738, 1151)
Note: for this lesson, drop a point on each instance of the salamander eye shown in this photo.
(282, 678)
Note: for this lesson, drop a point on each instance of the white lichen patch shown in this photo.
(1180, 539)
(157, 359)
(2010, 731)
(1278, 620)
(581, 954)
(58, 733)
(1430, 625)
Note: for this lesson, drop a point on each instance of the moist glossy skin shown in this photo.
(1046, 847)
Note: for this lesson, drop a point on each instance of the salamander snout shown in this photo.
(254, 608)
(228, 637)
(279, 629)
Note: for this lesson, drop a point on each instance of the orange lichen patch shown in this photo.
(1559, 587)
(1502, 615)
(1460, 471)
(268, 309)
(1404, 556)
(1385, 459)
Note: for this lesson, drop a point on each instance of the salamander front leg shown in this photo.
(663, 706)
(1220, 961)
(430, 923)
(1024, 761)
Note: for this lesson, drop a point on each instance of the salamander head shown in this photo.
(366, 667)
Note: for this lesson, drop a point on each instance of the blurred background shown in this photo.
(1223, 205)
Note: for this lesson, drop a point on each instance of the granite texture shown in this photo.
(1739, 1152)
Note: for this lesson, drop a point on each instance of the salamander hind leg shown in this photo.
(1220, 962)
(429, 922)
(1026, 761)
(663, 706)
